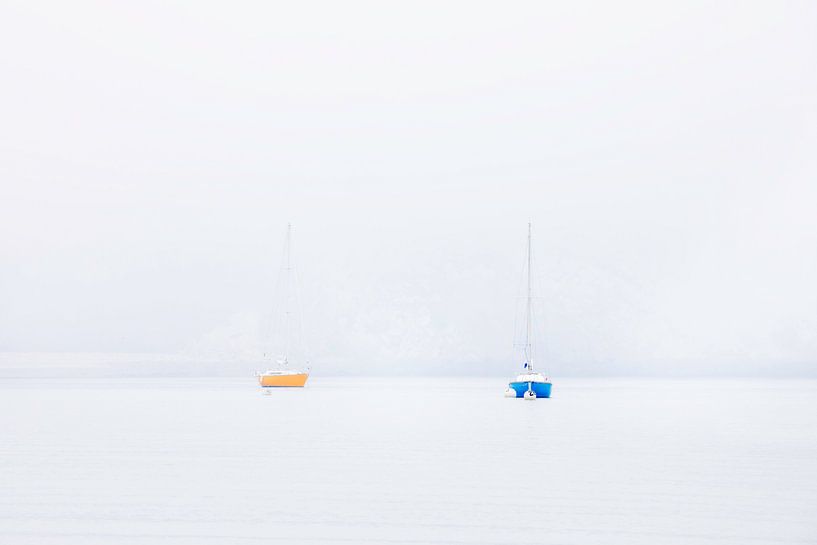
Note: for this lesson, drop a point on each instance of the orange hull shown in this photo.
(295, 380)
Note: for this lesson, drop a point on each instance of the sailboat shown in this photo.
(289, 325)
(529, 384)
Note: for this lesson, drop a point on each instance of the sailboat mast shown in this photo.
(287, 309)
(528, 331)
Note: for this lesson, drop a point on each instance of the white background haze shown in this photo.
(152, 153)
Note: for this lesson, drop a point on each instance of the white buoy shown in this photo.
(510, 392)
(530, 394)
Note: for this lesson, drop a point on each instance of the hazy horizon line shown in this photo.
(180, 365)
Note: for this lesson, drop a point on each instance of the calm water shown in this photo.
(407, 461)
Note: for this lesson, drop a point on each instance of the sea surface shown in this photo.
(407, 461)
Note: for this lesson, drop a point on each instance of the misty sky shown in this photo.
(152, 153)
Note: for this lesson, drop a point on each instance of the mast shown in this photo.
(287, 310)
(528, 316)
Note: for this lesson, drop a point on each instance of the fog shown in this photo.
(152, 154)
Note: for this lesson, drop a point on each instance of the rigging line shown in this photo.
(528, 332)
(274, 325)
(540, 319)
(287, 294)
(531, 309)
(517, 311)
(299, 304)
(538, 314)
(280, 303)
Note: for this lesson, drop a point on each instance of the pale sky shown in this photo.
(152, 153)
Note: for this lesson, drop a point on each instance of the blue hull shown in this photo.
(541, 389)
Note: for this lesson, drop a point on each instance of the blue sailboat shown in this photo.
(529, 384)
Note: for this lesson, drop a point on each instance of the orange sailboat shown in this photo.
(270, 379)
(287, 323)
